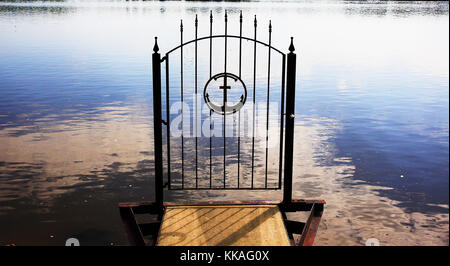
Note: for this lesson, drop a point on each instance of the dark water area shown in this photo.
(372, 114)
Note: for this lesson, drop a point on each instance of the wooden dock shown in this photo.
(232, 225)
(208, 223)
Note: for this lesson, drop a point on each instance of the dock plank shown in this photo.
(228, 225)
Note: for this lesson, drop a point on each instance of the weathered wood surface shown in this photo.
(232, 225)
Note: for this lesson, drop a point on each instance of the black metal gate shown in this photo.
(192, 161)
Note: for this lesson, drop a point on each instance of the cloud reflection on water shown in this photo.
(63, 167)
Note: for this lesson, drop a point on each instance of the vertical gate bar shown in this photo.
(239, 148)
(282, 115)
(157, 124)
(210, 42)
(168, 120)
(268, 98)
(210, 149)
(182, 113)
(290, 115)
(210, 112)
(239, 112)
(240, 42)
(254, 103)
(224, 105)
(196, 133)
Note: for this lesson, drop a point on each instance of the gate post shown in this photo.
(156, 67)
(289, 116)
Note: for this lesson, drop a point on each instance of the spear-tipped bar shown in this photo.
(155, 47)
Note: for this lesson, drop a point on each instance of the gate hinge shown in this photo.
(164, 122)
(163, 58)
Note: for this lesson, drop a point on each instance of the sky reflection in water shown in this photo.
(371, 124)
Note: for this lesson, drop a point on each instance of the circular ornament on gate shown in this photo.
(223, 107)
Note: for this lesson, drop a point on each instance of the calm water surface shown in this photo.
(372, 115)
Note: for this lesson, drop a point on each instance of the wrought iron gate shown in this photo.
(194, 168)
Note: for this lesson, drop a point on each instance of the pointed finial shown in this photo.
(270, 25)
(291, 47)
(226, 16)
(255, 21)
(181, 26)
(155, 47)
(240, 17)
(196, 20)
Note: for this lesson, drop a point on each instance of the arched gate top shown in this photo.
(223, 36)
